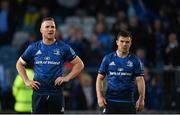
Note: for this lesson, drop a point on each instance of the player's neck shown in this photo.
(122, 54)
(48, 41)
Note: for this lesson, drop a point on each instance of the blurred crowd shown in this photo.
(90, 27)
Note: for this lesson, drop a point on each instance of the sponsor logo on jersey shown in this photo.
(120, 69)
(47, 58)
(112, 63)
(38, 52)
(48, 62)
(113, 73)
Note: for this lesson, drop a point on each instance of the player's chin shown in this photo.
(50, 37)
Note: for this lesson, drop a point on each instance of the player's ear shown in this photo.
(40, 30)
(131, 42)
(117, 42)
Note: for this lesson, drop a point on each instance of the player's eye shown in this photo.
(121, 41)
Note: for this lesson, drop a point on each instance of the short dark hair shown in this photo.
(48, 19)
(124, 34)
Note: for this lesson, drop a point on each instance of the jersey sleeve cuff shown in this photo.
(137, 75)
(102, 73)
(72, 58)
(22, 61)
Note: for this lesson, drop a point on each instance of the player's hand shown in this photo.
(102, 102)
(61, 80)
(140, 105)
(32, 84)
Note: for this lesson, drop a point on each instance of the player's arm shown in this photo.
(99, 90)
(141, 89)
(78, 65)
(20, 66)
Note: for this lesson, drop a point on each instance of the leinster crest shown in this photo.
(129, 63)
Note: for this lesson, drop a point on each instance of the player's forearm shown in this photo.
(99, 86)
(77, 68)
(141, 87)
(21, 70)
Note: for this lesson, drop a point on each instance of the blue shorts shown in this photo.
(46, 104)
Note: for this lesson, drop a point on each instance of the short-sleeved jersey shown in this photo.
(121, 73)
(48, 63)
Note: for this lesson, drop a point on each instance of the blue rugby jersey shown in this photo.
(48, 63)
(121, 73)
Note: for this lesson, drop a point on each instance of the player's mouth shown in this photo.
(50, 33)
